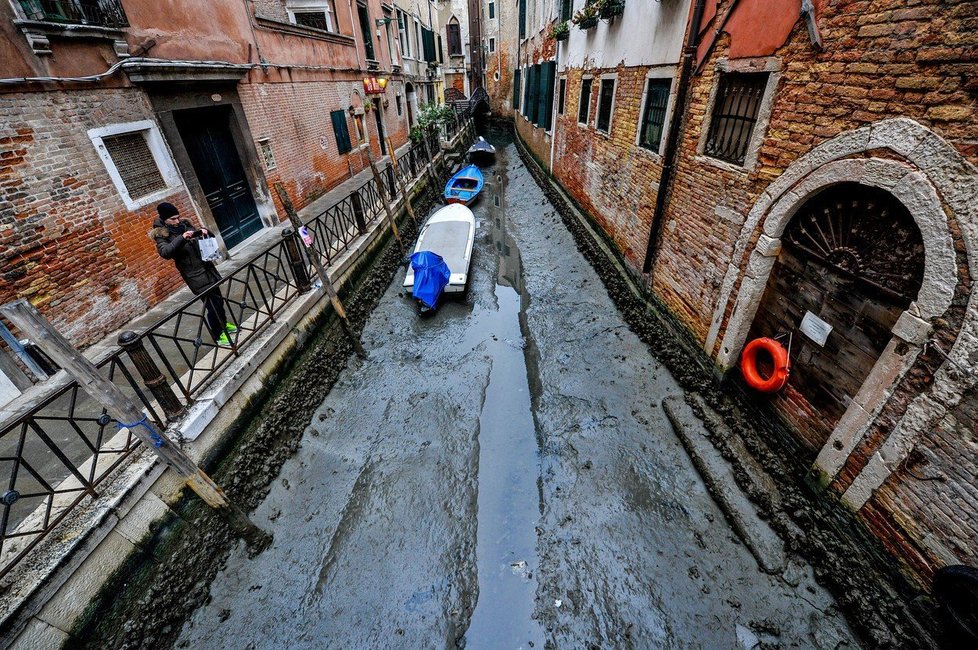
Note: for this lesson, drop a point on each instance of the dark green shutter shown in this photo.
(543, 91)
(340, 131)
(550, 74)
(533, 103)
(522, 18)
(428, 39)
(516, 89)
(527, 92)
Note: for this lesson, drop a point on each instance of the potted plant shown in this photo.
(561, 31)
(587, 16)
(611, 8)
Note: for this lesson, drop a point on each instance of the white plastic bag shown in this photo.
(209, 252)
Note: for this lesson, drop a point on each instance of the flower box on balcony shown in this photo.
(612, 8)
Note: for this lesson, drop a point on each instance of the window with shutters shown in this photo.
(545, 94)
(734, 115)
(428, 41)
(566, 9)
(492, 10)
(561, 95)
(606, 103)
(137, 160)
(367, 32)
(454, 38)
(340, 131)
(654, 113)
(516, 89)
(402, 34)
(492, 44)
(584, 108)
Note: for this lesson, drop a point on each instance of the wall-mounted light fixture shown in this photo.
(384, 21)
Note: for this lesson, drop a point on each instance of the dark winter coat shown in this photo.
(185, 253)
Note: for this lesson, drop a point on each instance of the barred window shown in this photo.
(454, 38)
(561, 94)
(134, 161)
(735, 110)
(654, 115)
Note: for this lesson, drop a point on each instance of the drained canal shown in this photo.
(500, 475)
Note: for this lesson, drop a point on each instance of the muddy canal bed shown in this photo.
(501, 475)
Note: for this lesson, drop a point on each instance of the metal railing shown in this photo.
(59, 452)
(100, 13)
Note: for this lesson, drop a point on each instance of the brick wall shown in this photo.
(304, 145)
(609, 175)
(883, 59)
(67, 240)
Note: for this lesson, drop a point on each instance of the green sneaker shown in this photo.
(223, 340)
(230, 328)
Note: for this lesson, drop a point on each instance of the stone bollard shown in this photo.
(154, 379)
(296, 261)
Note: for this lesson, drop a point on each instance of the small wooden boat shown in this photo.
(450, 233)
(482, 153)
(464, 186)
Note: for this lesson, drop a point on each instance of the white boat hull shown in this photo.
(449, 232)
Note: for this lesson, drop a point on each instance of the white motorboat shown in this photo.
(450, 233)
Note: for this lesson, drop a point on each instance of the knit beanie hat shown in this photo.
(167, 210)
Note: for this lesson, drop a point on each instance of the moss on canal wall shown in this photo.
(146, 601)
(877, 600)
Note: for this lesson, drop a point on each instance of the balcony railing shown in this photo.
(99, 13)
(56, 455)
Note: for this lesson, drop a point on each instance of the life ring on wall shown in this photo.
(779, 357)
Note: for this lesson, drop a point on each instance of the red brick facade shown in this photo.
(882, 60)
(69, 242)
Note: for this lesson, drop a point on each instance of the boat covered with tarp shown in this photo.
(482, 153)
(449, 234)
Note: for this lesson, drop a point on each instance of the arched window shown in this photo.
(454, 33)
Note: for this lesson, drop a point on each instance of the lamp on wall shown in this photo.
(384, 21)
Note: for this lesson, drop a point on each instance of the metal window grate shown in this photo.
(734, 115)
(314, 19)
(654, 117)
(105, 13)
(561, 96)
(135, 163)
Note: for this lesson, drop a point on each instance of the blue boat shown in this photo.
(464, 186)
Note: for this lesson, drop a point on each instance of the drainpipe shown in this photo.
(672, 141)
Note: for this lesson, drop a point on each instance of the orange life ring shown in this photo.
(779, 356)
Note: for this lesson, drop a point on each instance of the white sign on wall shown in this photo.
(815, 328)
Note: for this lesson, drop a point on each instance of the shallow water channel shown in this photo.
(501, 475)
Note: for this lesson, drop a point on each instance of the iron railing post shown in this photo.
(299, 270)
(358, 214)
(152, 376)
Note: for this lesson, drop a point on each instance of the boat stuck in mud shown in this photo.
(441, 258)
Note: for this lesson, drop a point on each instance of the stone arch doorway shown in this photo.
(853, 258)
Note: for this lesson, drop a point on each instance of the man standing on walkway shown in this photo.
(174, 241)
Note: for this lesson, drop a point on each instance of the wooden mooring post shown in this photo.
(386, 200)
(317, 262)
(128, 415)
(401, 186)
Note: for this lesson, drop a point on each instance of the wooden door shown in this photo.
(207, 137)
(853, 257)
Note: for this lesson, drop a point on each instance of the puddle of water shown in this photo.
(509, 464)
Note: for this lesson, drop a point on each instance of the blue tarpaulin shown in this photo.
(431, 276)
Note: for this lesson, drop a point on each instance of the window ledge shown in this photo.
(652, 154)
(39, 33)
(302, 30)
(720, 164)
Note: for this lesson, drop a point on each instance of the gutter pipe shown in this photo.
(672, 141)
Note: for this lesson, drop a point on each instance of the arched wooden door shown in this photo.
(853, 257)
